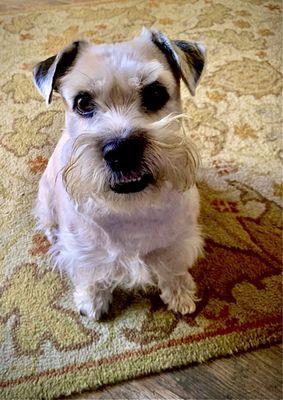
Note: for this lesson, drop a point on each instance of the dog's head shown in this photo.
(123, 113)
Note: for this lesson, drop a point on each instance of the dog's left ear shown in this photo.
(186, 59)
(47, 73)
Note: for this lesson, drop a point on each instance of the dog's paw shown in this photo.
(51, 234)
(90, 305)
(180, 296)
(182, 303)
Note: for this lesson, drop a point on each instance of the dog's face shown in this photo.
(123, 112)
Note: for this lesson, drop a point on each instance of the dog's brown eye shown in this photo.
(84, 104)
(154, 96)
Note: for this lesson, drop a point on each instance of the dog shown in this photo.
(118, 200)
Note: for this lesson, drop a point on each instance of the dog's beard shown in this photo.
(169, 157)
(174, 156)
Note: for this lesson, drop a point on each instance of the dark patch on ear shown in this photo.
(186, 59)
(65, 62)
(194, 57)
(164, 45)
(47, 73)
(41, 69)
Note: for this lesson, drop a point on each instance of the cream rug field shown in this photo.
(46, 348)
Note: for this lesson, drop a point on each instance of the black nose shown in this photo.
(124, 154)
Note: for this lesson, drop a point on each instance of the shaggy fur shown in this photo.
(101, 238)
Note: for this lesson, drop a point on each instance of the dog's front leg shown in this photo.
(176, 284)
(92, 299)
(45, 210)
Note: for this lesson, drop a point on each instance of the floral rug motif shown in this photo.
(47, 349)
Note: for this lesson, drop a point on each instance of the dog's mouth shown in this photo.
(132, 184)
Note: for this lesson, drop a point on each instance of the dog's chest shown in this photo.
(147, 231)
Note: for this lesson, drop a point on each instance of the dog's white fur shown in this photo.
(103, 239)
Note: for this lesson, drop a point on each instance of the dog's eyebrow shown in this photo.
(95, 85)
(92, 81)
(150, 73)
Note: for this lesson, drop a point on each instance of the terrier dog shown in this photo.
(118, 200)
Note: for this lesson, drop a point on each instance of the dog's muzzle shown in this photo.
(124, 158)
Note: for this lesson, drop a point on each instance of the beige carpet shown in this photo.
(47, 349)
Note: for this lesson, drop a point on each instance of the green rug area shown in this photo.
(47, 348)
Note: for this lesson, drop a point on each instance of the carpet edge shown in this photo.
(155, 362)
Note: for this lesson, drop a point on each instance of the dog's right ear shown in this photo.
(47, 73)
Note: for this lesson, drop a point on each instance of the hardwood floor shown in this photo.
(251, 376)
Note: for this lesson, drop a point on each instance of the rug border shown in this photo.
(97, 376)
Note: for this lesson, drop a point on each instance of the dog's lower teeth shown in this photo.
(123, 181)
(129, 180)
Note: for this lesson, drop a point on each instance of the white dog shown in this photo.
(118, 200)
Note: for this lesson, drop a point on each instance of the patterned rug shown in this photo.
(47, 349)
